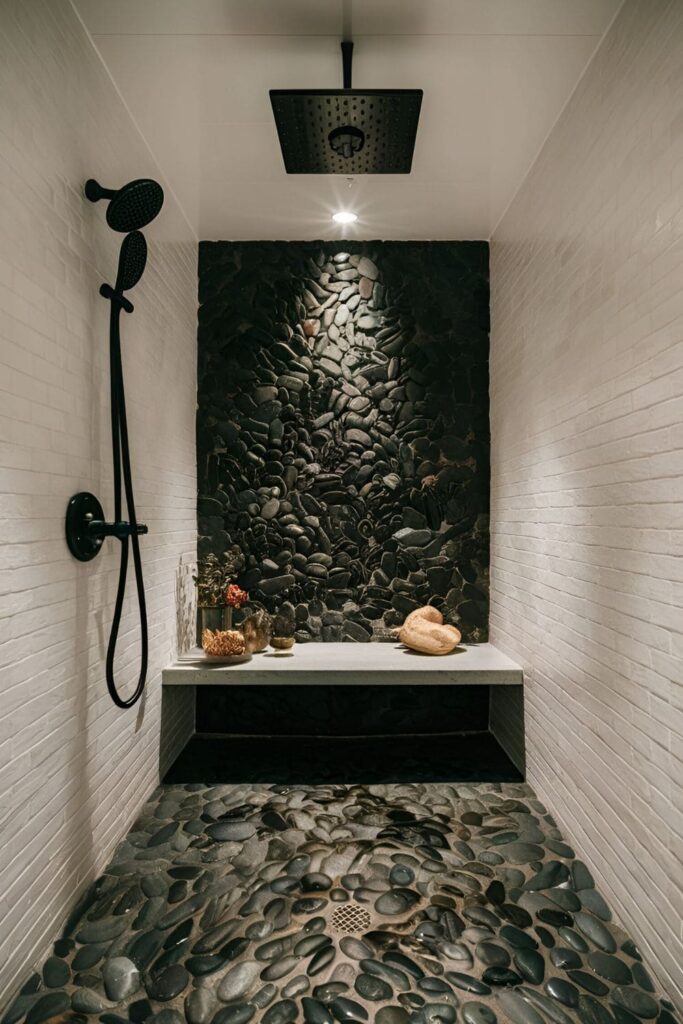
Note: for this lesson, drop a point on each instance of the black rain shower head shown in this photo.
(347, 131)
(132, 260)
(132, 206)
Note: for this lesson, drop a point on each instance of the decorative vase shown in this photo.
(213, 618)
(257, 629)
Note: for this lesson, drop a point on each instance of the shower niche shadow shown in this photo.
(347, 734)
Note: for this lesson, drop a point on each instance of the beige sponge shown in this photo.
(424, 631)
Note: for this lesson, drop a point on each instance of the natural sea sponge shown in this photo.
(424, 631)
(428, 613)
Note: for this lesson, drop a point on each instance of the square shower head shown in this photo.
(347, 131)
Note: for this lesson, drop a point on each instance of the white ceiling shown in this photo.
(196, 74)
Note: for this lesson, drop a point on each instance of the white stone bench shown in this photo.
(355, 665)
(351, 665)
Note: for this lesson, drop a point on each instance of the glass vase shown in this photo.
(213, 618)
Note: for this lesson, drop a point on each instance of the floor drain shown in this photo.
(350, 918)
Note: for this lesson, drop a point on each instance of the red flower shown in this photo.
(235, 596)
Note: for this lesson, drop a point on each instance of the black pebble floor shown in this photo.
(428, 902)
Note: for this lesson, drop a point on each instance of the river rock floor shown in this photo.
(430, 903)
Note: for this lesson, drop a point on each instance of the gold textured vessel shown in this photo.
(282, 643)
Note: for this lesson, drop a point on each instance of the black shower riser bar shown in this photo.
(130, 208)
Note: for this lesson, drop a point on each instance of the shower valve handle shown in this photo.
(86, 528)
(121, 530)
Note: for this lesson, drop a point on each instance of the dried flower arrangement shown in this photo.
(235, 597)
(223, 642)
(214, 576)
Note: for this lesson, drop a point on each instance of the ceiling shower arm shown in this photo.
(346, 130)
(347, 60)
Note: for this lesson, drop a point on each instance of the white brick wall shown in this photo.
(73, 768)
(587, 485)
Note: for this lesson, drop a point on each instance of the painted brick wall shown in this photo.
(587, 474)
(73, 768)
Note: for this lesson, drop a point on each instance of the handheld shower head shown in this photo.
(132, 260)
(130, 207)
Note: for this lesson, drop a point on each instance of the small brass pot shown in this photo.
(282, 643)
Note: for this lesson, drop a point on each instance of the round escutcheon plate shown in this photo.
(82, 509)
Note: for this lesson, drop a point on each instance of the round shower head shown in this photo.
(135, 205)
(132, 260)
(132, 206)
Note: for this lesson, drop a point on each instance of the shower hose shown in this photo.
(129, 534)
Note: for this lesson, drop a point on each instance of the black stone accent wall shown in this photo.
(342, 429)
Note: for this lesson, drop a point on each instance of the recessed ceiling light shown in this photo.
(344, 217)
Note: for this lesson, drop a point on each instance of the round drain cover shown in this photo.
(350, 918)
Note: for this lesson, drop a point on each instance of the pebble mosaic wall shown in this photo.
(343, 439)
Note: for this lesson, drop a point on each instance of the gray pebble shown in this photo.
(316, 1012)
(86, 1000)
(231, 831)
(296, 986)
(635, 1001)
(355, 948)
(279, 968)
(121, 978)
(392, 1015)
(435, 1013)
(240, 1013)
(518, 1010)
(373, 988)
(595, 930)
(392, 904)
(344, 1009)
(239, 980)
(478, 1013)
(563, 991)
(200, 1005)
(170, 982)
(530, 965)
(610, 967)
(56, 972)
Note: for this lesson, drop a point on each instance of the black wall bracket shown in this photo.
(86, 528)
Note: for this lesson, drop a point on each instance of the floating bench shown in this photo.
(375, 693)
